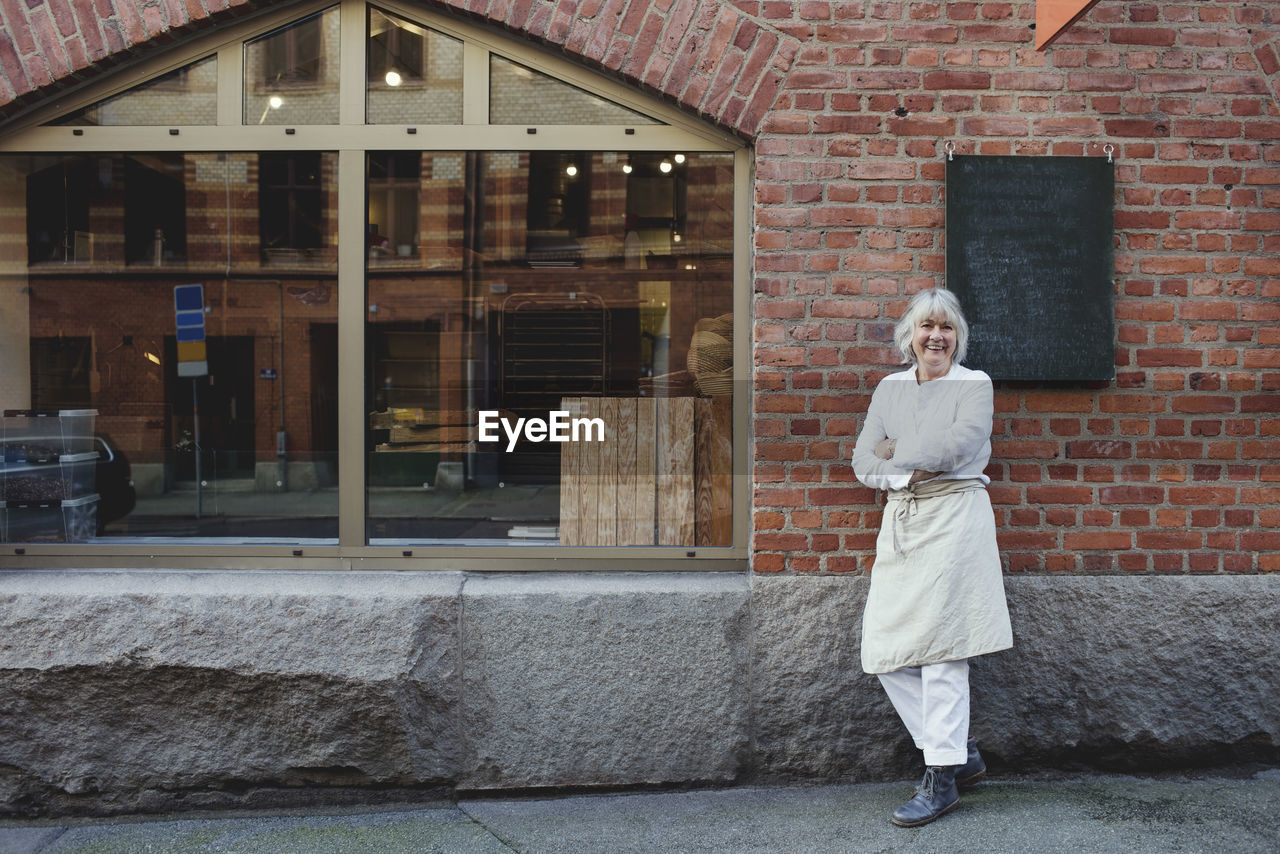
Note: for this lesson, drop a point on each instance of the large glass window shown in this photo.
(586, 292)
(245, 449)
(533, 347)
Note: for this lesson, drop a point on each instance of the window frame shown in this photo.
(352, 139)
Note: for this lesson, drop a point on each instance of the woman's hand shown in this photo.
(884, 450)
(920, 474)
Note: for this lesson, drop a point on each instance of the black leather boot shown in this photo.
(974, 769)
(935, 796)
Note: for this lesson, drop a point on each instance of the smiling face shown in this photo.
(934, 343)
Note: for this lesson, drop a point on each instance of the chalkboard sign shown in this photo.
(1029, 254)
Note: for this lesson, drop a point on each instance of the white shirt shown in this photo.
(943, 425)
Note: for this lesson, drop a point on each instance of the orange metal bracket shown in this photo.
(1054, 16)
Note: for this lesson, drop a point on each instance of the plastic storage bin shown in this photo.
(37, 436)
(77, 427)
(79, 474)
(80, 518)
(69, 521)
(36, 523)
(30, 437)
(72, 476)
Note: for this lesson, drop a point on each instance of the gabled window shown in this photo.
(354, 283)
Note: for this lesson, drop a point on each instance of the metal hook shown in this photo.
(1109, 149)
(951, 149)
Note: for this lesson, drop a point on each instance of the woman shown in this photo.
(937, 593)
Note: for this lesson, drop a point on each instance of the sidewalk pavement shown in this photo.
(1086, 814)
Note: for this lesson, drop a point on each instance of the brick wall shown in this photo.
(1170, 468)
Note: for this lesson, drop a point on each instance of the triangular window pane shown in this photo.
(185, 96)
(414, 75)
(522, 96)
(291, 74)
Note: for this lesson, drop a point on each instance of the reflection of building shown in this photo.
(491, 278)
(258, 231)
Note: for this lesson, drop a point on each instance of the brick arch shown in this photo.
(705, 55)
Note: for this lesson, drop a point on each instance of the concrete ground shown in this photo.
(1088, 814)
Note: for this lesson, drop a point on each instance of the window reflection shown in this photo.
(597, 284)
(185, 96)
(520, 95)
(291, 75)
(87, 323)
(414, 73)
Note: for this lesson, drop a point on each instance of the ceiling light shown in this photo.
(626, 168)
(393, 78)
(275, 102)
(571, 170)
(679, 158)
(665, 165)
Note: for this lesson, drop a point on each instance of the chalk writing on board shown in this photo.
(1030, 254)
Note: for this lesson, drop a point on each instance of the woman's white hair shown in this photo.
(942, 306)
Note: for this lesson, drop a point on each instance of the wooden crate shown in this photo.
(661, 477)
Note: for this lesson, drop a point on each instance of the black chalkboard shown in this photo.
(1029, 254)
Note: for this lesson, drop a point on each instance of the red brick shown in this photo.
(1154, 36)
(977, 126)
(1201, 495)
(898, 80)
(995, 33)
(925, 34)
(1170, 357)
(1068, 126)
(780, 542)
(1099, 81)
(957, 80)
(1177, 174)
(1131, 495)
(1169, 450)
(1203, 403)
(1099, 449)
(1059, 495)
(768, 562)
(932, 126)
(1034, 540)
(1207, 219)
(1024, 450)
(1165, 83)
(883, 171)
(1097, 540)
(1059, 402)
(1166, 540)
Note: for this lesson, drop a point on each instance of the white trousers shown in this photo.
(933, 701)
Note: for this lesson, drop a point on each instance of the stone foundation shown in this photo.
(128, 690)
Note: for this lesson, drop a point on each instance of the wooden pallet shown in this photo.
(661, 477)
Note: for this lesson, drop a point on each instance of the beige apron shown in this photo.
(937, 591)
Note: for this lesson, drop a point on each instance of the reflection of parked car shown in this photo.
(115, 482)
(35, 475)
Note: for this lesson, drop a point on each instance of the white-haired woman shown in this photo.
(937, 593)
